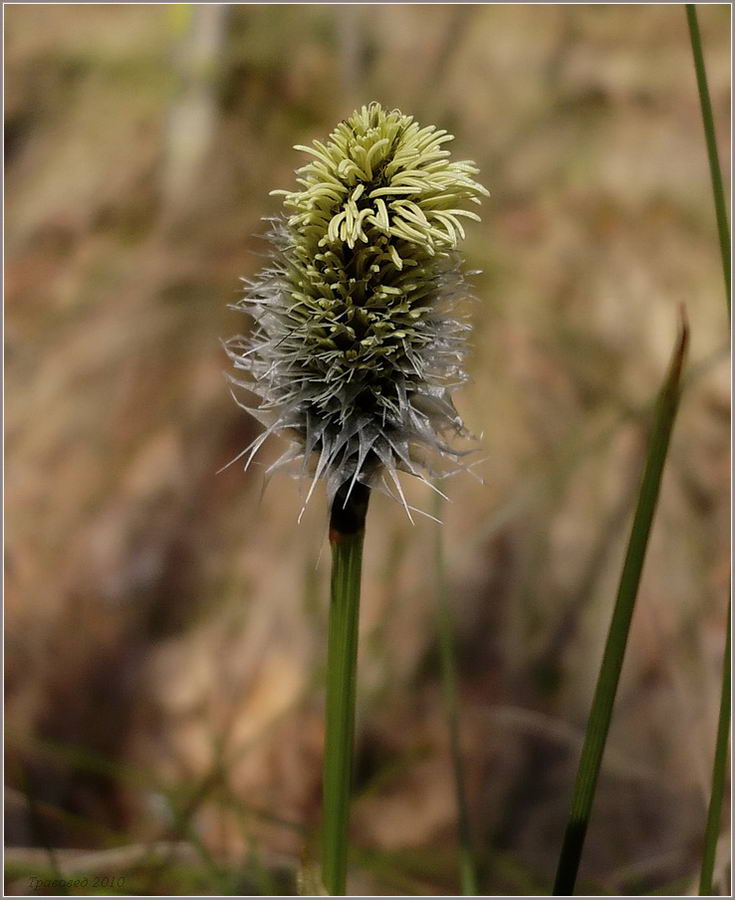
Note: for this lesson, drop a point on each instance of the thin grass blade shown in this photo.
(718, 194)
(719, 770)
(612, 661)
(719, 767)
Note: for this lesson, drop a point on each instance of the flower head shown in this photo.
(354, 351)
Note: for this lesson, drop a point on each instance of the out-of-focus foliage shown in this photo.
(165, 624)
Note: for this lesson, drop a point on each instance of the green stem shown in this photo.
(346, 534)
(468, 876)
(711, 140)
(612, 660)
(719, 770)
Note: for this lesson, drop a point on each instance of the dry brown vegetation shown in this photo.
(165, 624)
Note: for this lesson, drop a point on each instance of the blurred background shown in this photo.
(166, 624)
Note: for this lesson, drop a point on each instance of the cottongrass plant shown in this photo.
(355, 352)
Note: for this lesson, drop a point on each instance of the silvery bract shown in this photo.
(354, 351)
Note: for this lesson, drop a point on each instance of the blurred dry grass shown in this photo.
(165, 625)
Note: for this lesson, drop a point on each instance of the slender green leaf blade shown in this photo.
(612, 660)
(718, 193)
(714, 812)
(719, 771)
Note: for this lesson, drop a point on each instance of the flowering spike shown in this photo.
(354, 352)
